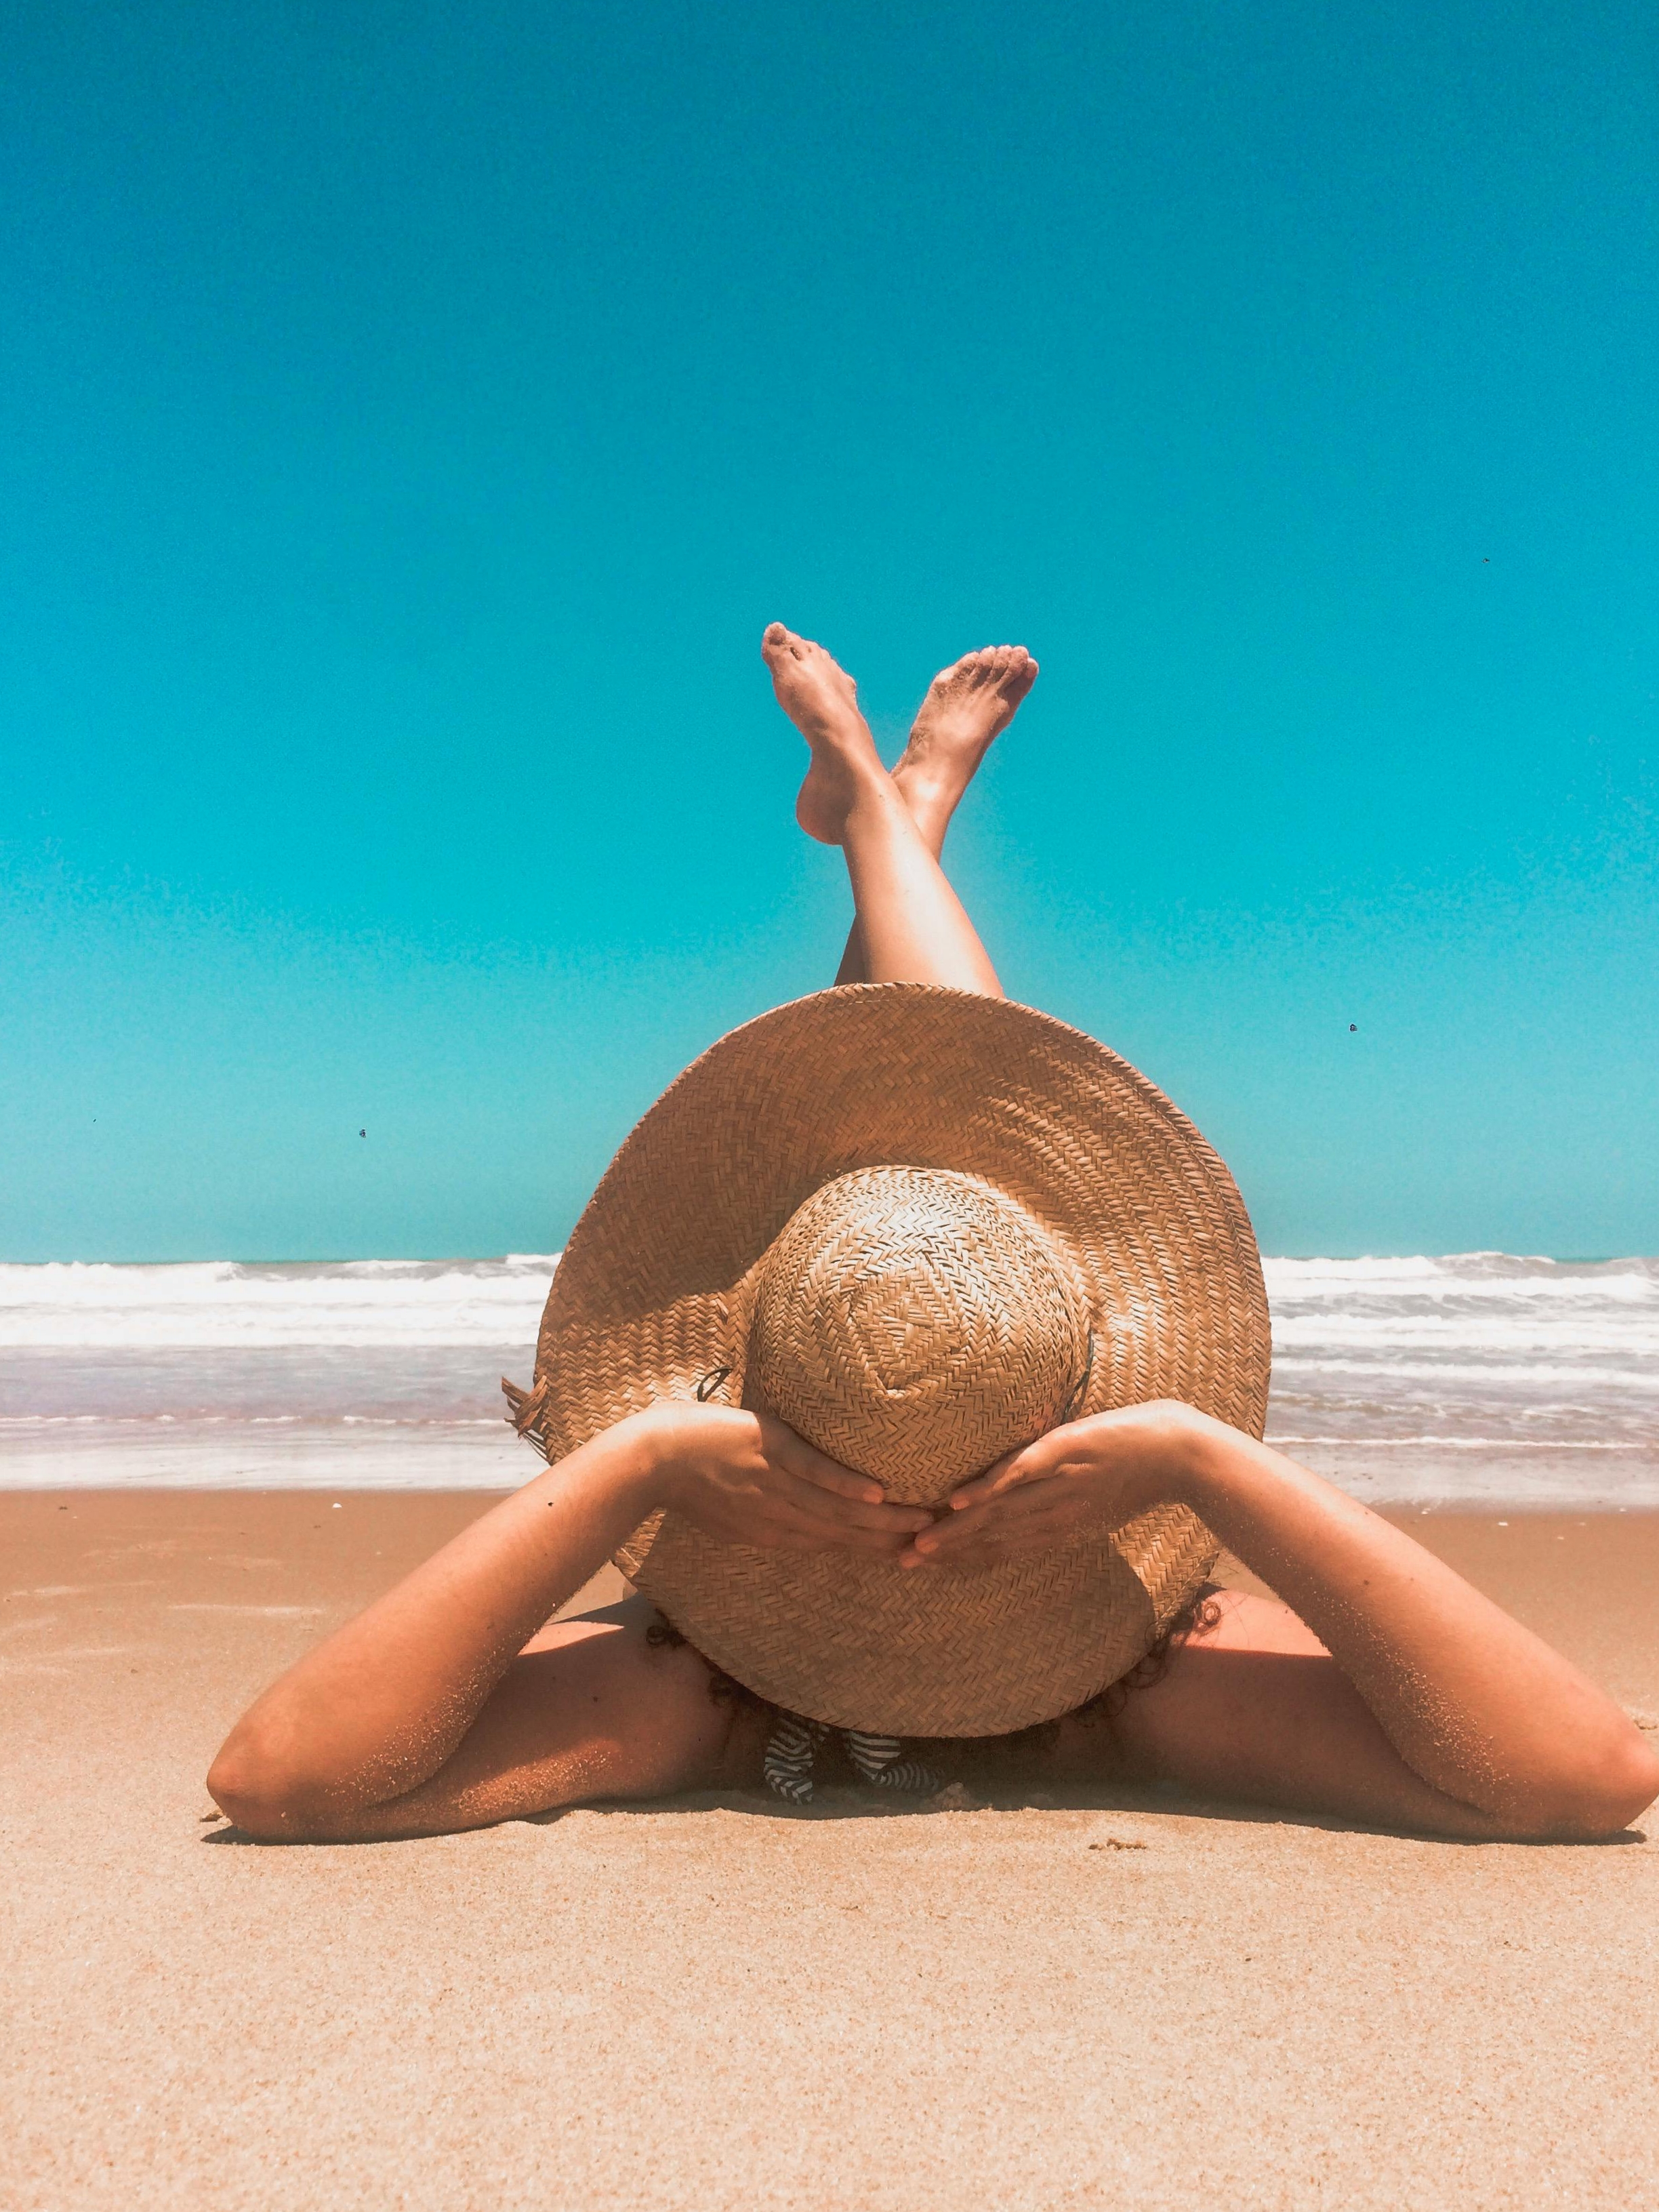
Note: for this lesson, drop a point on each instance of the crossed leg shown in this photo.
(910, 927)
(966, 705)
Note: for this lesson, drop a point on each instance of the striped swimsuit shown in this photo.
(878, 1760)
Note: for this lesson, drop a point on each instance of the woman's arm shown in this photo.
(1475, 1705)
(378, 1708)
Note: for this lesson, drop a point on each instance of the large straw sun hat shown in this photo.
(922, 1227)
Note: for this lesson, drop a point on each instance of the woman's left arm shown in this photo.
(1474, 1704)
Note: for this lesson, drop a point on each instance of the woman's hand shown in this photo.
(745, 1478)
(1100, 1472)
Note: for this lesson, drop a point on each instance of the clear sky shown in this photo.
(412, 413)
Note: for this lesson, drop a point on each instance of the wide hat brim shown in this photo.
(652, 1294)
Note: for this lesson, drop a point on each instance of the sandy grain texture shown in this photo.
(1123, 2003)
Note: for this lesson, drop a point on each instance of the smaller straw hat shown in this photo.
(922, 1227)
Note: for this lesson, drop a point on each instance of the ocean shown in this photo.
(1475, 1378)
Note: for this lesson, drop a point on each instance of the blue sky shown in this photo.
(412, 415)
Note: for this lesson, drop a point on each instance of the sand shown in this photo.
(1137, 2001)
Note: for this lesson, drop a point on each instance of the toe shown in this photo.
(774, 638)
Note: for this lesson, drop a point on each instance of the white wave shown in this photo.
(1452, 1368)
(440, 1457)
(1464, 1270)
(26, 1425)
(1475, 1324)
(1284, 1439)
(1530, 1374)
(222, 1304)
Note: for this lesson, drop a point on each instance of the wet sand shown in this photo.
(1131, 2001)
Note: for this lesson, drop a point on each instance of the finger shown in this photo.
(1031, 1463)
(828, 1475)
(986, 1548)
(785, 1448)
(829, 1509)
(1040, 1494)
(994, 1480)
(1030, 1517)
(942, 1538)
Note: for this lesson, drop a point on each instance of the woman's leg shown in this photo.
(966, 705)
(912, 923)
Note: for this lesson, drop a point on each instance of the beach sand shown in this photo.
(1136, 2002)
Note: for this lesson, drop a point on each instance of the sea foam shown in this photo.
(1471, 1377)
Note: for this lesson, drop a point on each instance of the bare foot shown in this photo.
(822, 700)
(966, 705)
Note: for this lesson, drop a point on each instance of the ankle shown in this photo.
(932, 798)
(874, 793)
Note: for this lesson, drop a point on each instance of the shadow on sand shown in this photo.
(836, 1802)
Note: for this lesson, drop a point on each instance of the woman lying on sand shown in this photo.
(1383, 1689)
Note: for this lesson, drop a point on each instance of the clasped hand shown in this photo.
(746, 1477)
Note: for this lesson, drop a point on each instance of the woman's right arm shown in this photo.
(380, 1705)
(1448, 1713)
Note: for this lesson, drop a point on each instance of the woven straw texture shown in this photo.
(921, 1227)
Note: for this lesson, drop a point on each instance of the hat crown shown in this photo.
(916, 1324)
